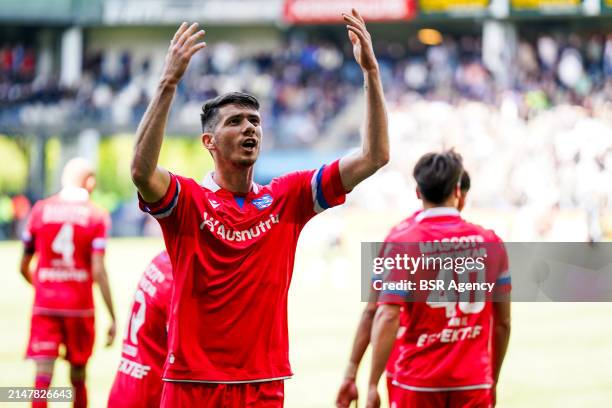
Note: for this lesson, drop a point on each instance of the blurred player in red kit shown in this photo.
(348, 389)
(232, 242)
(451, 351)
(68, 234)
(138, 381)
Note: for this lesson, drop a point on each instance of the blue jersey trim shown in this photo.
(504, 281)
(320, 197)
(239, 201)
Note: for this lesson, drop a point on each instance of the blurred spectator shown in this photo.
(6, 217)
(305, 85)
(21, 209)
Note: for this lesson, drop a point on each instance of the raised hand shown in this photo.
(361, 40)
(347, 393)
(184, 44)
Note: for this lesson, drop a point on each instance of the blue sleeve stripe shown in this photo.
(504, 281)
(320, 197)
(164, 212)
(395, 292)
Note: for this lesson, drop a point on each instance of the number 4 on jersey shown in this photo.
(64, 243)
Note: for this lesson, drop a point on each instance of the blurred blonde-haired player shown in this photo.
(67, 232)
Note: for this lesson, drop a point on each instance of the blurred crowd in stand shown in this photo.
(305, 84)
(540, 142)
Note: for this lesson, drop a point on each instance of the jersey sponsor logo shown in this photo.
(215, 204)
(263, 202)
(62, 275)
(228, 234)
(133, 369)
(449, 335)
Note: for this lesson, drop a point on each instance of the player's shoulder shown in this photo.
(38, 206)
(43, 202)
(288, 179)
(98, 213)
(403, 225)
(187, 182)
(409, 232)
(489, 235)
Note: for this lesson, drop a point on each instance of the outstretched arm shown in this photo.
(374, 153)
(151, 180)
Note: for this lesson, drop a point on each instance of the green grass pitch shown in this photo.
(560, 355)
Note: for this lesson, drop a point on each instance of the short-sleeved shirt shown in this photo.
(138, 381)
(447, 345)
(65, 230)
(233, 261)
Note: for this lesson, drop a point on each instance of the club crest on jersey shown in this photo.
(263, 202)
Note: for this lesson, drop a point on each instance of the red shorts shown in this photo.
(269, 394)
(390, 388)
(47, 333)
(129, 392)
(441, 399)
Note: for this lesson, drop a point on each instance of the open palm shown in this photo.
(361, 40)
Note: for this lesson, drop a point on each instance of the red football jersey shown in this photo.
(233, 260)
(398, 229)
(138, 382)
(64, 230)
(447, 344)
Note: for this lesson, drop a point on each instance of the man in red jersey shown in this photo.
(138, 381)
(451, 352)
(348, 389)
(232, 242)
(68, 233)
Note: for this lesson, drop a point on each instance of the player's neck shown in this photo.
(234, 180)
(447, 204)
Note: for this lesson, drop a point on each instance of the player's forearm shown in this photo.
(361, 342)
(384, 330)
(501, 338)
(24, 268)
(150, 134)
(374, 153)
(376, 141)
(102, 281)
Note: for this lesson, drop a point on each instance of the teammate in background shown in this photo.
(348, 389)
(68, 233)
(438, 364)
(232, 242)
(138, 381)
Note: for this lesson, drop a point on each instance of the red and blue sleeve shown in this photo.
(164, 207)
(327, 188)
(503, 280)
(101, 232)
